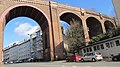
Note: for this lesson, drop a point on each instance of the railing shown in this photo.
(92, 12)
(58, 5)
(108, 17)
(68, 7)
(32, 1)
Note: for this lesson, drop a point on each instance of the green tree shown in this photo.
(99, 37)
(75, 36)
(110, 31)
(117, 31)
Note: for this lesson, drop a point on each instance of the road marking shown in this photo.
(74, 66)
(88, 66)
(63, 65)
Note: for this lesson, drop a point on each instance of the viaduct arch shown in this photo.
(48, 16)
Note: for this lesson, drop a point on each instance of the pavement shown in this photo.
(66, 64)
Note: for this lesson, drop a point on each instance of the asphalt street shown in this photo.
(66, 64)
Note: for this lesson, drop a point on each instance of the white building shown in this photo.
(6, 54)
(13, 52)
(107, 47)
(38, 45)
(26, 49)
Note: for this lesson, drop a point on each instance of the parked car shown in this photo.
(116, 57)
(18, 61)
(11, 62)
(73, 57)
(5, 62)
(93, 56)
(33, 60)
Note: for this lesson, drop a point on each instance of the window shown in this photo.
(91, 54)
(84, 50)
(111, 44)
(117, 43)
(108, 45)
(98, 48)
(87, 54)
(87, 49)
(90, 49)
(95, 48)
(102, 46)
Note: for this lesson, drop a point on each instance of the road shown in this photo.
(66, 64)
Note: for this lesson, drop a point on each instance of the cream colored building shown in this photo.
(107, 47)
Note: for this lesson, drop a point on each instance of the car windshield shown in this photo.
(98, 53)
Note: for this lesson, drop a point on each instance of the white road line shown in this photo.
(87, 66)
(63, 65)
(74, 66)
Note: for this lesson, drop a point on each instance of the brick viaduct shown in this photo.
(48, 16)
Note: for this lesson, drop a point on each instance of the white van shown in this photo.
(92, 56)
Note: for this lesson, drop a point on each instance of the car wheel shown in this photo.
(82, 60)
(115, 59)
(75, 60)
(93, 60)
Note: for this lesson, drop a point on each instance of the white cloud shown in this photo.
(24, 29)
(17, 23)
(32, 30)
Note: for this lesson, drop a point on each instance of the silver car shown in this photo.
(92, 56)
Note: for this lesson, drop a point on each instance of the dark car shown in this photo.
(116, 57)
(73, 57)
(33, 60)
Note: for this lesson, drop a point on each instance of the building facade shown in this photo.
(25, 50)
(13, 52)
(6, 55)
(106, 47)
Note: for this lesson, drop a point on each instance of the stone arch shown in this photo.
(94, 26)
(69, 17)
(36, 14)
(109, 25)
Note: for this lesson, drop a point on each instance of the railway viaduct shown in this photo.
(48, 15)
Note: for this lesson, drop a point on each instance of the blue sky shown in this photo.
(103, 6)
(18, 28)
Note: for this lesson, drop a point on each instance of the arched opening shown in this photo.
(20, 32)
(109, 26)
(68, 19)
(40, 18)
(94, 26)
